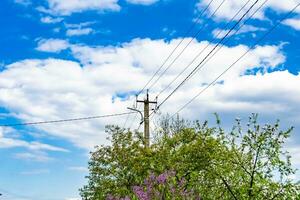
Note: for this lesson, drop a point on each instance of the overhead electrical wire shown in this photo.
(187, 45)
(228, 38)
(65, 120)
(13, 195)
(242, 56)
(126, 120)
(172, 53)
(236, 31)
(208, 55)
(201, 52)
(131, 124)
(217, 35)
(177, 46)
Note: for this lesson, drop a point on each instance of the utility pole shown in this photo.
(146, 103)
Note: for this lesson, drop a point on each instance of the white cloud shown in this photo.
(12, 143)
(295, 151)
(51, 20)
(65, 89)
(293, 22)
(80, 25)
(8, 142)
(231, 7)
(23, 2)
(78, 168)
(52, 45)
(79, 31)
(219, 33)
(142, 2)
(34, 156)
(67, 7)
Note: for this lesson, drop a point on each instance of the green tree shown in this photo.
(239, 164)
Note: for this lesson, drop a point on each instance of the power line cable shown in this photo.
(8, 194)
(236, 31)
(208, 55)
(139, 127)
(177, 46)
(187, 45)
(134, 119)
(127, 118)
(242, 56)
(170, 55)
(66, 120)
(217, 35)
(200, 53)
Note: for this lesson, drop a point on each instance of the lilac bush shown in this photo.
(163, 186)
(111, 197)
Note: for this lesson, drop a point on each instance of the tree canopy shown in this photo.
(247, 162)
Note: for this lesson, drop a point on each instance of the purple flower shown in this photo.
(139, 192)
(162, 179)
(152, 177)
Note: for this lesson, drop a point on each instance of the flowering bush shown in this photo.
(111, 197)
(163, 186)
(240, 164)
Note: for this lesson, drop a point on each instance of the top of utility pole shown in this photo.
(146, 103)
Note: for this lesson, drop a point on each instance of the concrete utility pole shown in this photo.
(146, 103)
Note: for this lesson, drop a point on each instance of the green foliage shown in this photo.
(164, 186)
(240, 164)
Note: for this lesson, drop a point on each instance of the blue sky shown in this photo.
(75, 58)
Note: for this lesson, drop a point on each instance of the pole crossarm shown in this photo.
(146, 103)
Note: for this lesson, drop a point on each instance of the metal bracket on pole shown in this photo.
(136, 110)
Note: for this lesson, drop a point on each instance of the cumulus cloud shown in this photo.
(96, 85)
(220, 33)
(33, 156)
(12, 143)
(231, 7)
(23, 2)
(79, 31)
(78, 169)
(51, 20)
(52, 45)
(142, 2)
(295, 151)
(9, 142)
(293, 22)
(68, 7)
